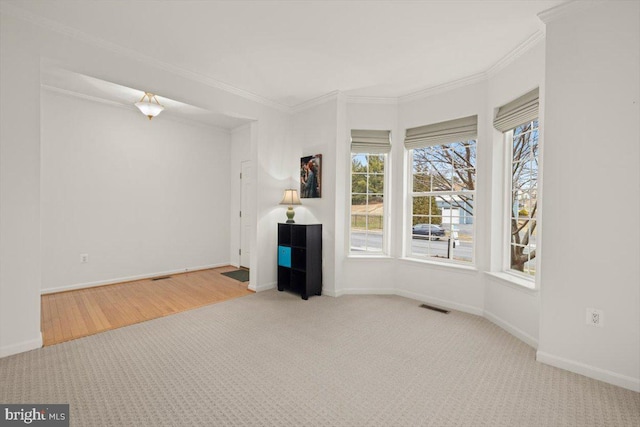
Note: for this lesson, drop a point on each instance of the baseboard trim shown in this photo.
(359, 291)
(610, 377)
(441, 302)
(418, 297)
(260, 288)
(516, 332)
(21, 347)
(127, 279)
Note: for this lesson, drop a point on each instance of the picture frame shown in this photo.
(311, 177)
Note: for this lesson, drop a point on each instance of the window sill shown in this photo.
(442, 265)
(515, 282)
(371, 256)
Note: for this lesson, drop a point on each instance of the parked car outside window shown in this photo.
(427, 231)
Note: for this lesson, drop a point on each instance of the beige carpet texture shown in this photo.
(272, 359)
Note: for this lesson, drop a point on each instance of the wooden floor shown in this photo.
(74, 314)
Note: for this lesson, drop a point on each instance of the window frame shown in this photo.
(384, 252)
(531, 280)
(410, 195)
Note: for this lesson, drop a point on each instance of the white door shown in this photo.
(246, 185)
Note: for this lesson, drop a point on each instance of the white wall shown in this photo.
(19, 191)
(591, 104)
(591, 158)
(139, 197)
(314, 132)
(240, 152)
(513, 307)
(24, 42)
(360, 274)
(453, 287)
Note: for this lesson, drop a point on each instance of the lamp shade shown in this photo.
(149, 107)
(290, 197)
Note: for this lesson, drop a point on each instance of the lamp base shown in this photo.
(290, 215)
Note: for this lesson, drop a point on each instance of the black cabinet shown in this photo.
(300, 258)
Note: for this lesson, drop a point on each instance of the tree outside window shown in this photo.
(367, 202)
(524, 198)
(443, 192)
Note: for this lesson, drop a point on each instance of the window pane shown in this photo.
(441, 180)
(518, 257)
(376, 184)
(357, 202)
(420, 162)
(521, 148)
(421, 182)
(359, 162)
(376, 163)
(375, 210)
(436, 220)
(358, 183)
(530, 267)
(464, 179)
(519, 232)
(439, 248)
(463, 155)
(367, 202)
(425, 206)
(533, 232)
(374, 241)
(447, 176)
(463, 246)
(524, 198)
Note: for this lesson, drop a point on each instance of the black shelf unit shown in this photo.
(300, 259)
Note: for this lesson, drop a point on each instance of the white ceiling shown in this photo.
(80, 85)
(293, 51)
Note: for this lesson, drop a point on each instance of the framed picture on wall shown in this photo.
(311, 177)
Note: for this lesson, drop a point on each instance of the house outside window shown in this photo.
(442, 190)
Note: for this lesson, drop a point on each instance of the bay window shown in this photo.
(442, 190)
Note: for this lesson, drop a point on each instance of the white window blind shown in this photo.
(370, 141)
(447, 132)
(517, 112)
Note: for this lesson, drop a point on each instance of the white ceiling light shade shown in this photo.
(151, 107)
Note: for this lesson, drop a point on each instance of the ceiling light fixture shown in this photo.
(151, 107)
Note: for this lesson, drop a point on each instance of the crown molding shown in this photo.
(126, 106)
(516, 53)
(315, 101)
(546, 16)
(84, 96)
(83, 37)
(565, 9)
(506, 60)
(380, 100)
(445, 87)
(242, 127)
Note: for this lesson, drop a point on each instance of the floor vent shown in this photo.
(438, 309)
(160, 278)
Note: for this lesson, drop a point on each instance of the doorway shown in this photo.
(246, 185)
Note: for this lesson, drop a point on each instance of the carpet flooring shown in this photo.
(272, 359)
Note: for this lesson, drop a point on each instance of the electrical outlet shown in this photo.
(84, 258)
(595, 317)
